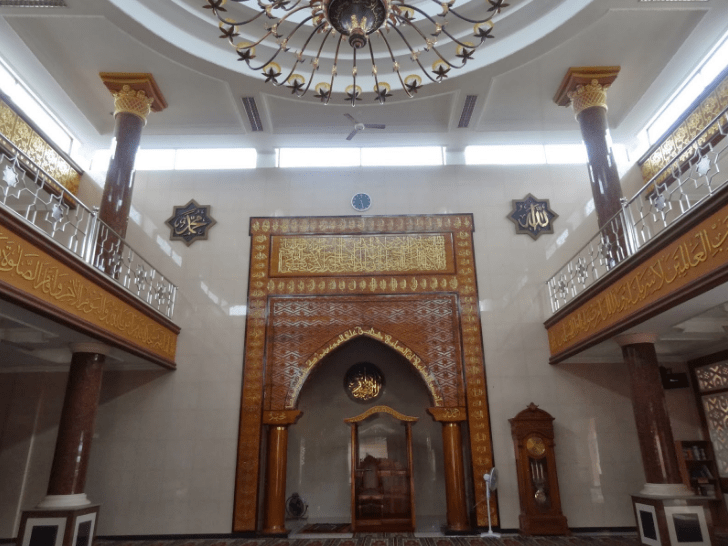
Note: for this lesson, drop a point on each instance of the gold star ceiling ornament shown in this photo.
(325, 34)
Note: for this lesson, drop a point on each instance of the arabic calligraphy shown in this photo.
(21, 135)
(29, 269)
(679, 143)
(535, 218)
(532, 216)
(190, 222)
(365, 254)
(364, 382)
(691, 256)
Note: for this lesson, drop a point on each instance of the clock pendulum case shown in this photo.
(538, 487)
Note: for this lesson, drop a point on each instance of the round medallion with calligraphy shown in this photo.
(535, 446)
(364, 382)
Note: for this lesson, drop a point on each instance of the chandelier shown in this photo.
(328, 35)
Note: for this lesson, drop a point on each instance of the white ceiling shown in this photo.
(61, 51)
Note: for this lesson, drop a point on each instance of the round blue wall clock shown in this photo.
(361, 202)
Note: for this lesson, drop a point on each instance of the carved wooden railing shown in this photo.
(678, 189)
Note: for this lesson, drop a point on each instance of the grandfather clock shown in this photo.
(538, 487)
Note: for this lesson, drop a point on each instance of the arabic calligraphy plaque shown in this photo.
(326, 255)
(190, 222)
(532, 216)
(364, 382)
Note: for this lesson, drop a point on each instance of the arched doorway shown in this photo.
(319, 444)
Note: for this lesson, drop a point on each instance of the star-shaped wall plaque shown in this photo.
(190, 222)
(532, 216)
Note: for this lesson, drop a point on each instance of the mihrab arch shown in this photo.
(314, 281)
(421, 367)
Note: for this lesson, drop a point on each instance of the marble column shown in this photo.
(585, 89)
(452, 451)
(65, 517)
(73, 444)
(116, 199)
(274, 515)
(135, 96)
(657, 446)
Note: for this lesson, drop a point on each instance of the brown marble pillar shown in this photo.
(135, 96)
(585, 89)
(452, 450)
(603, 174)
(116, 199)
(657, 446)
(274, 515)
(73, 445)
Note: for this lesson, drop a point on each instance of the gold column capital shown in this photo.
(131, 101)
(584, 87)
(134, 93)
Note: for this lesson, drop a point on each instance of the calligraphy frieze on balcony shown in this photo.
(681, 268)
(61, 288)
(677, 143)
(15, 132)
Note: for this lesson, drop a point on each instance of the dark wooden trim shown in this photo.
(708, 359)
(699, 402)
(53, 249)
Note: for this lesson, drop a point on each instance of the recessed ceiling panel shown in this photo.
(75, 49)
(642, 42)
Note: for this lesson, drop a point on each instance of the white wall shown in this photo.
(164, 459)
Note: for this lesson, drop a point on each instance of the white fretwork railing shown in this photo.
(654, 209)
(52, 210)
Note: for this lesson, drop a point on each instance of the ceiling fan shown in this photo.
(359, 126)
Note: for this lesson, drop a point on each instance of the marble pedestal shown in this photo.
(673, 521)
(72, 526)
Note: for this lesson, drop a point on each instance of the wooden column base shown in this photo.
(543, 525)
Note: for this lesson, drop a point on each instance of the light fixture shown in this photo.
(329, 33)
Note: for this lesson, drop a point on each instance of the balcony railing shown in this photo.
(50, 208)
(686, 182)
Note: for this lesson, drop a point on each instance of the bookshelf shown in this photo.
(698, 469)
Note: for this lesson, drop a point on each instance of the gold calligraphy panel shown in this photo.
(19, 134)
(677, 143)
(693, 255)
(357, 255)
(30, 270)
